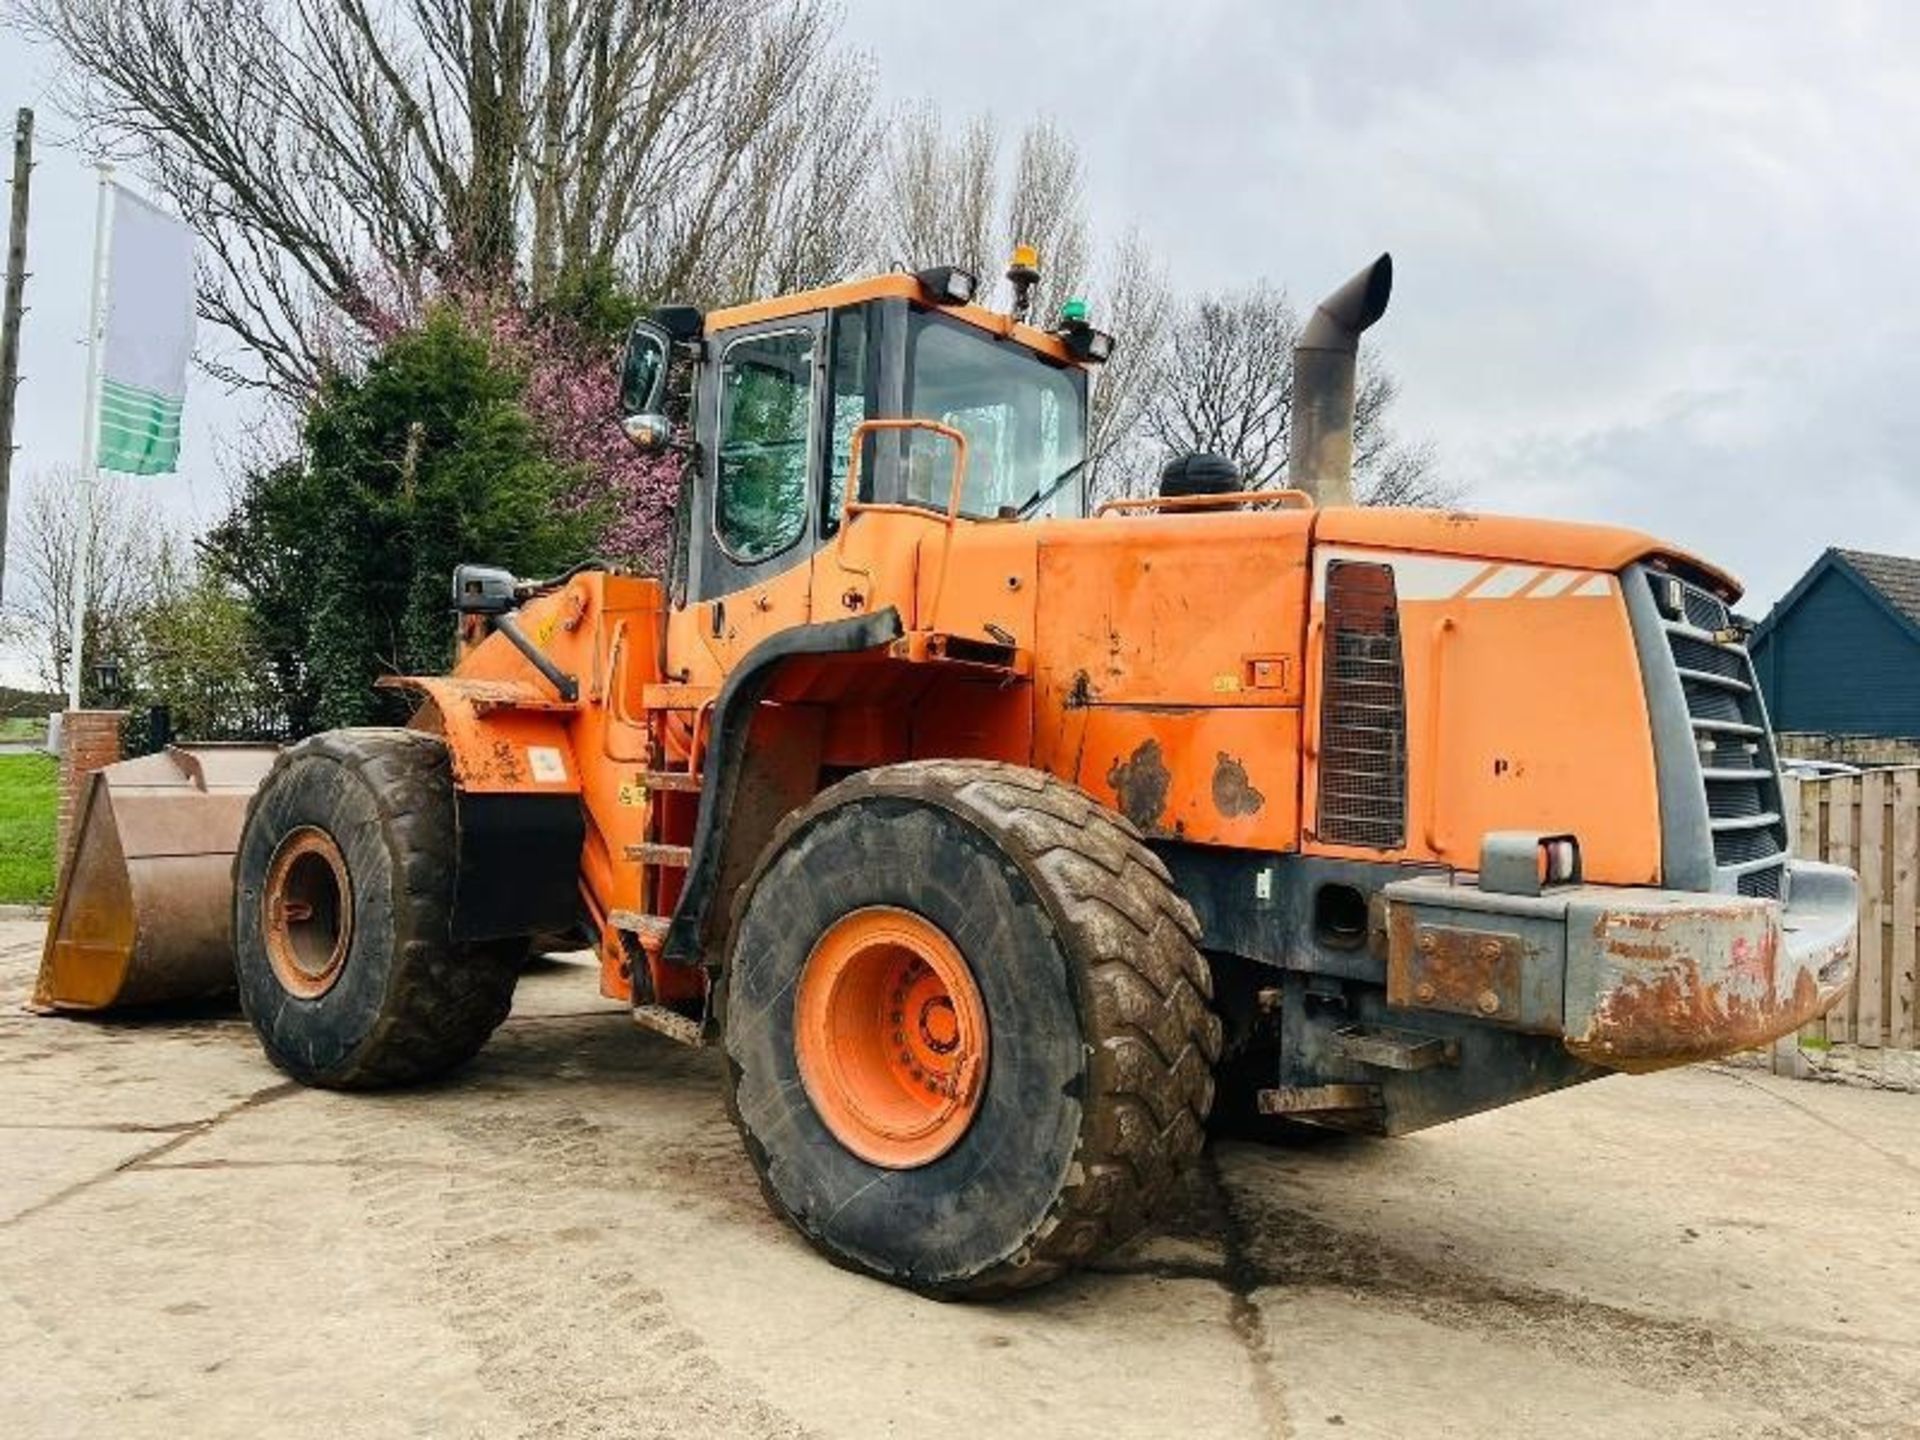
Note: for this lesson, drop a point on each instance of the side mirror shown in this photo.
(648, 433)
(643, 387)
(483, 590)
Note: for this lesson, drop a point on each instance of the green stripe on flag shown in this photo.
(139, 430)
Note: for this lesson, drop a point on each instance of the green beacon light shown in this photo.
(1083, 342)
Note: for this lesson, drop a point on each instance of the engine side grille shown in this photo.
(1707, 656)
(1733, 752)
(1705, 611)
(1363, 715)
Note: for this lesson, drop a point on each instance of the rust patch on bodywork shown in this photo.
(503, 763)
(1233, 793)
(1141, 783)
(1662, 1004)
(1466, 972)
(1677, 1017)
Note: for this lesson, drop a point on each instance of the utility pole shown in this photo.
(11, 309)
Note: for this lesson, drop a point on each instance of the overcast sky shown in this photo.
(1652, 260)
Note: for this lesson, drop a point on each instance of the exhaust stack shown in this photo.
(1320, 439)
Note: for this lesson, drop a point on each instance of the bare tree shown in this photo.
(129, 549)
(950, 199)
(1224, 384)
(1133, 301)
(939, 192)
(1387, 469)
(1046, 208)
(331, 151)
(805, 220)
(1225, 380)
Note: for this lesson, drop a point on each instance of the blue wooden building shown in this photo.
(1839, 655)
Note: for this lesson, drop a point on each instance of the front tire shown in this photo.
(342, 920)
(1018, 1063)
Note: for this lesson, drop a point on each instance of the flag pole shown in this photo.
(89, 442)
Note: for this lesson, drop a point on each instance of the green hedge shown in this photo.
(28, 704)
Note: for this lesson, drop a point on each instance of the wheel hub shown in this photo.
(308, 904)
(891, 1037)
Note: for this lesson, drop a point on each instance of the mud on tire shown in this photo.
(399, 1001)
(1102, 1038)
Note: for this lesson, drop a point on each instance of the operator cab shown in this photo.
(763, 400)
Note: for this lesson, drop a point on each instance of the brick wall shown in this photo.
(88, 740)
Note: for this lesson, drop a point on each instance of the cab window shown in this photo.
(766, 413)
(848, 369)
(1024, 418)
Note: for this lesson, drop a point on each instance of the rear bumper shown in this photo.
(1629, 979)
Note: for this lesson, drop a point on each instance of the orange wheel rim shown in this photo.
(308, 904)
(891, 1035)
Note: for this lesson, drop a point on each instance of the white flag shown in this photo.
(149, 338)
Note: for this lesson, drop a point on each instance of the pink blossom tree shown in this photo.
(571, 394)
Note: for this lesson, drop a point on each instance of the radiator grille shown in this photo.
(1704, 611)
(1733, 753)
(1363, 716)
(1708, 657)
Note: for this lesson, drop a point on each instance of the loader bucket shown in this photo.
(143, 912)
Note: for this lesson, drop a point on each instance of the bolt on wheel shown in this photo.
(891, 1037)
(308, 912)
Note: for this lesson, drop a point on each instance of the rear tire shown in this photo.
(343, 902)
(1096, 1078)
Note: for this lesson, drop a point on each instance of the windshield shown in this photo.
(1024, 418)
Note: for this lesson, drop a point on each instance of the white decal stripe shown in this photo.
(1443, 577)
(1506, 583)
(1415, 577)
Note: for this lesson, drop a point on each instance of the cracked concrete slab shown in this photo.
(565, 1239)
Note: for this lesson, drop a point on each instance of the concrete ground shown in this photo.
(565, 1240)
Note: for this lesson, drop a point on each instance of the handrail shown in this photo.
(1314, 665)
(696, 756)
(1442, 628)
(850, 504)
(851, 501)
(1312, 685)
(615, 703)
(1227, 500)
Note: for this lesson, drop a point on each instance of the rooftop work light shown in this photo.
(948, 284)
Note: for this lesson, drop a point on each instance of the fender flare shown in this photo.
(733, 709)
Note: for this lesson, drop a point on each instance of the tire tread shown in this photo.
(445, 998)
(1145, 991)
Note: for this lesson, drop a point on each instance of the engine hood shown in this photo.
(1505, 537)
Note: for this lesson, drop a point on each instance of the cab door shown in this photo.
(754, 514)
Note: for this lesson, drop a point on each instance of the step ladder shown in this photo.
(651, 931)
(654, 854)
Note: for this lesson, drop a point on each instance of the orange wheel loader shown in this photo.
(1000, 844)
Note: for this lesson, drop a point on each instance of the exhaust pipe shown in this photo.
(1320, 434)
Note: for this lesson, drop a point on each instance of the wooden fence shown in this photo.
(1870, 823)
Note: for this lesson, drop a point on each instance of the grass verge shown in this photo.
(29, 806)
